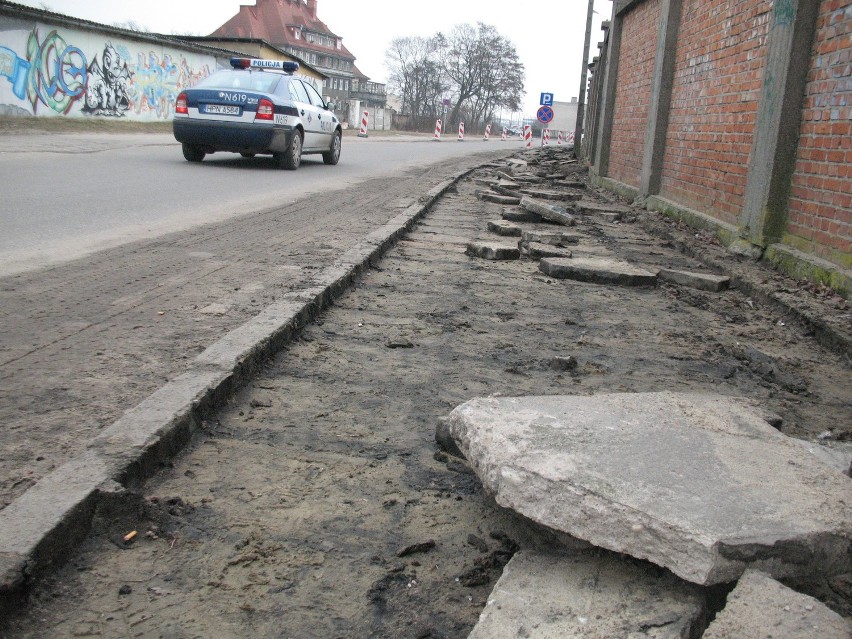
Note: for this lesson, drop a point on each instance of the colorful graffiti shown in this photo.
(107, 93)
(16, 70)
(156, 84)
(57, 74)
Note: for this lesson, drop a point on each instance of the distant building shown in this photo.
(259, 48)
(293, 26)
(564, 116)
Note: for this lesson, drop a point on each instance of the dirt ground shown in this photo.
(317, 504)
(84, 341)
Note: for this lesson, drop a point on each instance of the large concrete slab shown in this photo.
(761, 608)
(700, 484)
(597, 270)
(546, 594)
(496, 198)
(549, 212)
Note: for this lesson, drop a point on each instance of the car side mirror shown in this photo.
(329, 105)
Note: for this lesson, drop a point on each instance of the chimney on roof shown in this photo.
(312, 8)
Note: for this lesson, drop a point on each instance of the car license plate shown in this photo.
(222, 109)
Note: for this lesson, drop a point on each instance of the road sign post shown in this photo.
(544, 115)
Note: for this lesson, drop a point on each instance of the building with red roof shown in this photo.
(293, 26)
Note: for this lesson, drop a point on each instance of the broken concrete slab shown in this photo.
(521, 216)
(537, 250)
(699, 484)
(528, 178)
(592, 207)
(839, 457)
(496, 198)
(597, 270)
(491, 251)
(761, 608)
(559, 196)
(702, 281)
(549, 212)
(506, 178)
(503, 227)
(555, 238)
(489, 182)
(571, 184)
(545, 593)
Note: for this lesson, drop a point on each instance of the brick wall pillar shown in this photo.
(661, 97)
(773, 153)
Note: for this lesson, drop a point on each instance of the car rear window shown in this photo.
(242, 80)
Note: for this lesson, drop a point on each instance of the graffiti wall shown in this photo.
(50, 70)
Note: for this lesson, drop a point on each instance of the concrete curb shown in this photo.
(39, 530)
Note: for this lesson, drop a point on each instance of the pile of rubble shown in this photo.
(683, 511)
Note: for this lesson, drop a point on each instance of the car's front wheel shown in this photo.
(332, 156)
(292, 157)
(192, 153)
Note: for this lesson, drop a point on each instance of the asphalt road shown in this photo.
(66, 196)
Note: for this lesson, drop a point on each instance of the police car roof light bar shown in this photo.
(278, 65)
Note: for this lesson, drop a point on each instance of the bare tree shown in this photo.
(416, 74)
(476, 68)
(485, 71)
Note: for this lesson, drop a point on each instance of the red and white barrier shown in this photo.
(461, 131)
(528, 135)
(571, 138)
(363, 132)
(487, 132)
(545, 137)
(559, 139)
(438, 127)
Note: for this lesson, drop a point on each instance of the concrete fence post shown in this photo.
(661, 97)
(773, 153)
(607, 104)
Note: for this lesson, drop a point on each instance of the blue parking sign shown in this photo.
(546, 99)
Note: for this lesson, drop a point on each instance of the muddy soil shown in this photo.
(317, 504)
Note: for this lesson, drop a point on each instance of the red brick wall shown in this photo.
(633, 91)
(820, 208)
(718, 74)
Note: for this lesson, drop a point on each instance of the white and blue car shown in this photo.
(258, 107)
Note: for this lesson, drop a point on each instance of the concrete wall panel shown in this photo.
(56, 70)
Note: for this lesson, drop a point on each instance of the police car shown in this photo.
(258, 107)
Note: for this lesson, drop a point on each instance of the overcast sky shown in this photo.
(547, 35)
